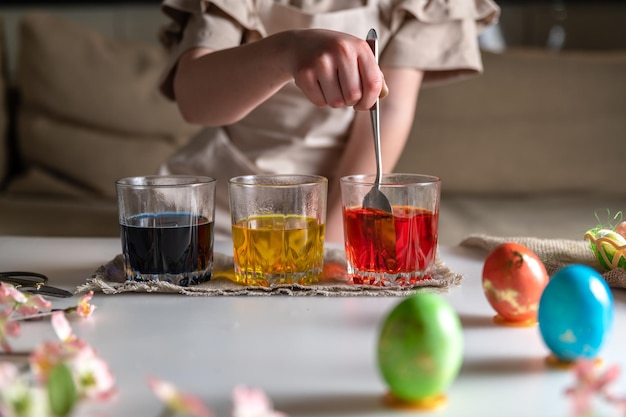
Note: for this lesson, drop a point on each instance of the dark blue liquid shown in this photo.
(175, 247)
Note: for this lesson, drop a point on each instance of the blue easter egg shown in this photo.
(575, 313)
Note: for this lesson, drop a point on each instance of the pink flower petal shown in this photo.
(26, 310)
(590, 383)
(40, 302)
(12, 328)
(609, 376)
(45, 357)
(178, 401)
(61, 326)
(8, 374)
(84, 308)
(94, 376)
(9, 293)
(249, 402)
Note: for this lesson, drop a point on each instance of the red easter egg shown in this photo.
(513, 280)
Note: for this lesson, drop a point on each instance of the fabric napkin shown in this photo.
(555, 254)
(109, 279)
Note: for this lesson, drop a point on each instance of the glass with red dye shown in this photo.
(396, 248)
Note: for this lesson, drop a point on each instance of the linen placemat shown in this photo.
(555, 254)
(109, 279)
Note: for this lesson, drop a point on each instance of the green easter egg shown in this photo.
(420, 347)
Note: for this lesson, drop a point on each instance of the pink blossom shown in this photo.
(248, 402)
(11, 295)
(176, 400)
(49, 354)
(91, 374)
(7, 328)
(40, 302)
(8, 374)
(27, 395)
(34, 305)
(44, 358)
(84, 308)
(25, 304)
(61, 326)
(93, 377)
(589, 383)
(18, 397)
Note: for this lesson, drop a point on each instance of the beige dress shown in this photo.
(288, 134)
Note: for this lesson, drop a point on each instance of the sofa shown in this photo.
(535, 146)
(83, 110)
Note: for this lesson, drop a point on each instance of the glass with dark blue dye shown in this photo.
(166, 227)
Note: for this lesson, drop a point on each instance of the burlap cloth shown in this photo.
(555, 254)
(109, 279)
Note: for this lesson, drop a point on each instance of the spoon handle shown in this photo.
(372, 40)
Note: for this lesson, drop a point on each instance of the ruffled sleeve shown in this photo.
(214, 24)
(439, 37)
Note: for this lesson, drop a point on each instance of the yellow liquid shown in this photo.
(278, 249)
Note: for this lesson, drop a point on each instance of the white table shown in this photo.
(314, 356)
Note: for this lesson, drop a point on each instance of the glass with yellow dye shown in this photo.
(278, 225)
(277, 249)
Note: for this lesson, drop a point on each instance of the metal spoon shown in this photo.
(375, 199)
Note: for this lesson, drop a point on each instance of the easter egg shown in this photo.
(575, 313)
(608, 246)
(513, 279)
(420, 347)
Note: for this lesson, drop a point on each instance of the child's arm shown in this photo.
(216, 88)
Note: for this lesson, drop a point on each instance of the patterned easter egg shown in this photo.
(608, 246)
(420, 347)
(575, 313)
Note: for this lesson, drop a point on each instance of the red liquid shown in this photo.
(404, 243)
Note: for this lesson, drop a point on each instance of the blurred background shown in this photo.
(535, 146)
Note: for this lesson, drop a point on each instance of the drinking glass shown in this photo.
(278, 225)
(166, 226)
(391, 249)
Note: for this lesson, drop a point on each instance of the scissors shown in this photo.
(32, 282)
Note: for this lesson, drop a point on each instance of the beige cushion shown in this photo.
(90, 110)
(535, 122)
(4, 145)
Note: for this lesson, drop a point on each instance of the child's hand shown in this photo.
(336, 69)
